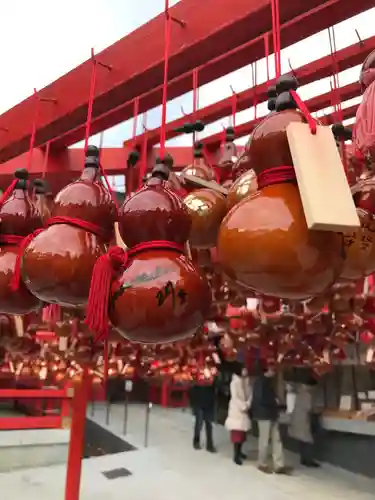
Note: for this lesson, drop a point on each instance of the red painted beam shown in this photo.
(321, 16)
(209, 32)
(321, 68)
(315, 104)
(65, 166)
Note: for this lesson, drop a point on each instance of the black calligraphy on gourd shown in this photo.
(169, 291)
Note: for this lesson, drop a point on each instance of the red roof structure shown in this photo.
(206, 39)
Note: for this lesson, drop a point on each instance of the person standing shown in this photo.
(265, 411)
(301, 422)
(202, 401)
(238, 421)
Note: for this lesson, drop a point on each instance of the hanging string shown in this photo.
(33, 130)
(234, 107)
(167, 40)
(45, 160)
(195, 102)
(90, 105)
(267, 55)
(255, 93)
(144, 154)
(335, 75)
(90, 101)
(335, 92)
(135, 117)
(12, 185)
(276, 36)
(304, 110)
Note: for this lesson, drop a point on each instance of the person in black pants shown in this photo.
(202, 400)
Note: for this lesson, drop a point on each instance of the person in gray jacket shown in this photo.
(301, 422)
(265, 411)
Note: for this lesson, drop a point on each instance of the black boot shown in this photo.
(310, 463)
(237, 453)
(209, 438)
(196, 444)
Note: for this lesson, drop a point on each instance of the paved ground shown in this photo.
(169, 469)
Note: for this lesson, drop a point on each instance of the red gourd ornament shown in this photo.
(18, 217)
(43, 199)
(157, 295)
(57, 264)
(264, 242)
(364, 127)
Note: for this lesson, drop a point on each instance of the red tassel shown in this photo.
(52, 313)
(105, 270)
(15, 281)
(8, 192)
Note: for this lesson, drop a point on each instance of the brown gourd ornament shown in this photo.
(18, 218)
(364, 130)
(57, 264)
(264, 242)
(198, 168)
(207, 208)
(152, 293)
(359, 247)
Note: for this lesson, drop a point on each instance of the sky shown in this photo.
(43, 39)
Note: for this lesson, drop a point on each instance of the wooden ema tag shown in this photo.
(325, 192)
(18, 324)
(202, 183)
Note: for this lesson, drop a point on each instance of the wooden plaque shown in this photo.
(325, 192)
(198, 182)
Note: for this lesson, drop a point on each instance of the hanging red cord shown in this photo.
(90, 101)
(33, 130)
(255, 93)
(45, 160)
(167, 40)
(335, 75)
(267, 55)
(90, 105)
(135, 117)
(144, 154)
(195, 102)
(335, 92)
(234, 108)
(276, 36)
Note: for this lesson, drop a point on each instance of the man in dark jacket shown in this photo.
(202, 400)
(265, 411)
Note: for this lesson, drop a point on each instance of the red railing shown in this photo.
(73, 407)
(63, 396)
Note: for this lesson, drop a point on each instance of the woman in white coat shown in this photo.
(238, 421)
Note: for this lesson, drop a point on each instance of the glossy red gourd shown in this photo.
(43, 199)
(57, 265)
(264, 242)
(161, 296)
(18, 217)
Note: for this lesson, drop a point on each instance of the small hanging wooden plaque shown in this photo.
(325, 193)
